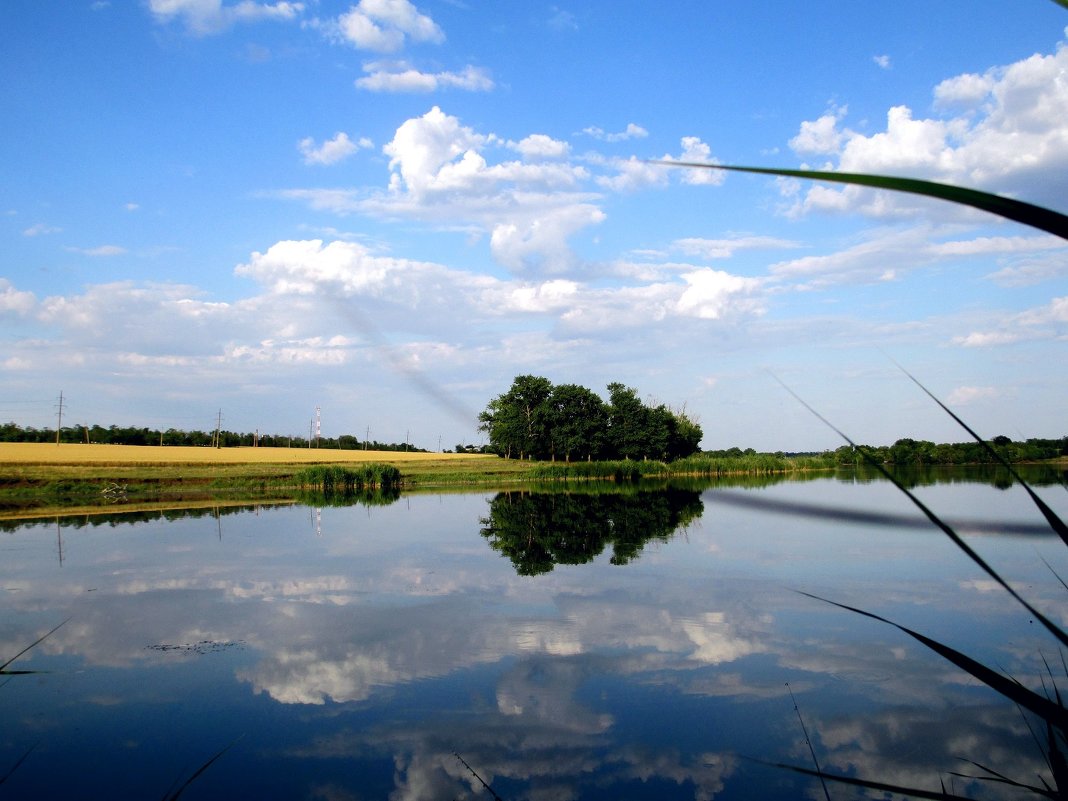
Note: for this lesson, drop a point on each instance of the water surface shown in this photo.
(565, 646)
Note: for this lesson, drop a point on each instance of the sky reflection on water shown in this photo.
(351, 653)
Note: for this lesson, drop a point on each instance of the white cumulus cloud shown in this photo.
(1006, 132)
(541, 146)
(712, 294)
(384, 26)
(332, 150)
(15, 301)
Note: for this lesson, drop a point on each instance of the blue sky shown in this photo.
(389, 209)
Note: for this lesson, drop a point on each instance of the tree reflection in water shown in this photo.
(539, 530)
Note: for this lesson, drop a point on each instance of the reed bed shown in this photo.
(334, 478)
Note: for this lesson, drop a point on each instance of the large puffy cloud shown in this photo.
(310, 267)
(712, 294)
(436, 154)
(530, 208)
(328, 303)
(540, 240)
(1005, 131)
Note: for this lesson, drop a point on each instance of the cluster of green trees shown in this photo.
(131, 435)
(537, 420)
(538, 531)
(911, 451)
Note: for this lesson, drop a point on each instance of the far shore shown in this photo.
(39, 479)
(80, 453)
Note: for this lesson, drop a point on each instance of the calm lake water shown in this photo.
(565, 646)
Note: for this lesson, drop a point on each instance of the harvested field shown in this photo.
(44, 478)
(76, 453)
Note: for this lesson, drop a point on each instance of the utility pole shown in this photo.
(366, 437)
(59, 423)
(218, 429)
(318, 427)
(407, 436)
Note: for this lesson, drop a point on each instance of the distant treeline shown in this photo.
(912, 451)
(917, 452)
(129, 435)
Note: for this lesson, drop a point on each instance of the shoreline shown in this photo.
(40, 480)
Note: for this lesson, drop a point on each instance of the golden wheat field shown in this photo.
(76, 453)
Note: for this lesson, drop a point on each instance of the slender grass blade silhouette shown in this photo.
(18, 762)
(1039, 217)
(3, 668)
(169, 796)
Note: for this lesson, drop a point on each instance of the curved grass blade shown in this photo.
(1054, 521)
(808, 741)
(1049, 625)
(18, 762)
(998, 778)
(1053, 714)
(3, 667)
(1057, 761)
(1017, 210)
(174, 796)
(912, 792)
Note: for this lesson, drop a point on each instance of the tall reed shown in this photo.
(331, 478)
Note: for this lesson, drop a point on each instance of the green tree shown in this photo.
(684, 435)
(517, 422)
(578, 422)
(538, 531)
(628, 423)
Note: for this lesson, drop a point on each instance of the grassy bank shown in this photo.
(38, 479)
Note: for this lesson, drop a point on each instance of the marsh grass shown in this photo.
(1046, 706)
(753, 464)
(699, 465)
(620, 471)
(334, 478)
